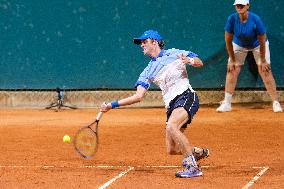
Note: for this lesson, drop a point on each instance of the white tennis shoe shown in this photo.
(224, 107)
(277, 107)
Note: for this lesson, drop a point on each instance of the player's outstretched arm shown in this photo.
(137, 97)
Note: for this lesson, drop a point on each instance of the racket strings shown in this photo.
(86, 142)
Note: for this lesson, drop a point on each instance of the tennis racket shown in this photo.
(86, 139)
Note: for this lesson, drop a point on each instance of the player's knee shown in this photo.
(139, 97)
(170, 128)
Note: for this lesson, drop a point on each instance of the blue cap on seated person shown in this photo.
(149, 34)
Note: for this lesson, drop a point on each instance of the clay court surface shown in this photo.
(246, 149)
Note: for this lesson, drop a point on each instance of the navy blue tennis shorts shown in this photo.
(189, 101)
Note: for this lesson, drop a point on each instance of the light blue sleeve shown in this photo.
(144, 79)
(187, 53)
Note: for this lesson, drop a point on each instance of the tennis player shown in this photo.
(167, 69)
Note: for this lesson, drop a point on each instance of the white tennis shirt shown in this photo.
(168, 73)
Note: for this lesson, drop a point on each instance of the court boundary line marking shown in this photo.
(130, 168)
(99, 166)
(255, 178)
(112, 166)
(121, 174)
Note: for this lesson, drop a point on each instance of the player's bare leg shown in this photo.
(174, 149)
(179, 117)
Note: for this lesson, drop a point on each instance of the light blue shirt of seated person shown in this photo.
(245, 34)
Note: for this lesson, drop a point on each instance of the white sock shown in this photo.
(228, 97)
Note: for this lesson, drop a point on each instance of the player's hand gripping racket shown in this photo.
(86, 139)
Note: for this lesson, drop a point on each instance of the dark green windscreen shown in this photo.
(87, 44)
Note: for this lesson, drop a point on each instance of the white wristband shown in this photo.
(191, 61)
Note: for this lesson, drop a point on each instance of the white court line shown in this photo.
(251, 182)
(248, 185)
(99, 166)
(115, 178)
(167, 166)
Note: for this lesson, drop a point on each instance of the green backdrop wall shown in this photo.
(87, 44)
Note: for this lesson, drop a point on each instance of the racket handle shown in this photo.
(100, 114)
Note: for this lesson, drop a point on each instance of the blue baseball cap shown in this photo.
(149, 34)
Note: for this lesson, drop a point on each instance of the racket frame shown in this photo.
(94, 131)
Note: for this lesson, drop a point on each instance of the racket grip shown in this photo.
(100, 114)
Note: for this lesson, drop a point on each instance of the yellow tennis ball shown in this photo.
(66, 139)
